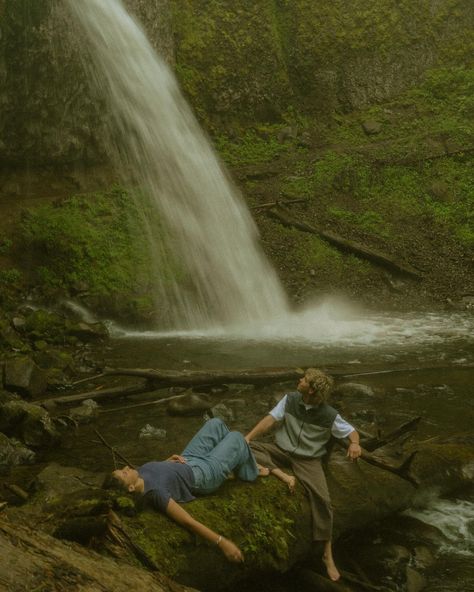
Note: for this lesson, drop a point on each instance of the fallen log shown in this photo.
(160, 379)
(32, 560)
(345, 245)
(405, 429)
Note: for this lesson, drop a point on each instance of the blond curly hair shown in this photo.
(321, 382)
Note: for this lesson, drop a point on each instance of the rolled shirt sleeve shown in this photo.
(340, 428)
(278, 412)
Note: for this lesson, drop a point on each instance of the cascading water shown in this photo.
(227, 280)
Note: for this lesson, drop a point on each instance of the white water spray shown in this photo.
(227, 280)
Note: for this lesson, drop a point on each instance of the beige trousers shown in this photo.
(310, 473)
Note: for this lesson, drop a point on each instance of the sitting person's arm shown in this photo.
(183, 518)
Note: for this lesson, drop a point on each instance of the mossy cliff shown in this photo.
(238, 61)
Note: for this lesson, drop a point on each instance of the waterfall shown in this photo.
(225, 279)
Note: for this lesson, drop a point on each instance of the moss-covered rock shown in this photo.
(30, 423)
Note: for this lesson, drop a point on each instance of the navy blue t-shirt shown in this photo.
(165, 480)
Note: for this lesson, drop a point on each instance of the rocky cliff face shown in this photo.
(238, 61)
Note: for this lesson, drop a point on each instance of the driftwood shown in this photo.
(279, 202)
(155, 379)
(160, 379)
(31, 560)
(372, 255)
(113, 450)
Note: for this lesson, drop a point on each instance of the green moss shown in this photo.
(95, 240)
(252, 147)
(239, 512)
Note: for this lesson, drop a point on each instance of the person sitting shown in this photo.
(213, 455)
(305, 423)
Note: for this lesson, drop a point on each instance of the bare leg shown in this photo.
(328, 560)
(288, 479)
(263, 471)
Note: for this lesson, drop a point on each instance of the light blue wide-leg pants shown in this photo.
(214, 452)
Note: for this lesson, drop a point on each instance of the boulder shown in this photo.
(352, 389)
(88, 331)
(22, 375)
(85, 413)
(31, 423)
(190, 404)
(44, 325)
(13, 453)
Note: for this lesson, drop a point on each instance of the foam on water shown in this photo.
(335, 323)
(455, 519)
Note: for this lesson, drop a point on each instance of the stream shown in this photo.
(415, 365)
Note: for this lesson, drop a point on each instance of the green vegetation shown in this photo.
(253, 147)
(93, 240)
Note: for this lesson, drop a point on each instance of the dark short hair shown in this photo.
(111, 482)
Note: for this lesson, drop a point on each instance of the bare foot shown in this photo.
(291, 483)
(263, 471)
(331, 568)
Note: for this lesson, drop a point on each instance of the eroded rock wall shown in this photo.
(238, 61)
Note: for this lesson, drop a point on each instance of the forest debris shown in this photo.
(114, 451)
(372, 255)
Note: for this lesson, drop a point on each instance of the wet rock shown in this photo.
(85, 413)
(88, 331)
(46, 325)
(151, 433)
(237, 402)
(9, 338)
(56, 481)
(223, 412)
(423, 557)
(31, 423)
(13, 453)
(353, 389)
(24, 376)
(414, 580)
(6, 397)
(189, 404)
(54, 358)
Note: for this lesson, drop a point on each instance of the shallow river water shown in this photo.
(416, 365)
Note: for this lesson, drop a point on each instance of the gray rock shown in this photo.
(30, 423)
(88, 331)
(223, 412)
(85, 413)
(190, 404)
(371, 127)
(423, 557)
(13, 453)
(24, 376)
(415, 580)
(151, 433)
(55, 481)
(353, 389)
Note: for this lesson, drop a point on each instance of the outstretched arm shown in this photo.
(183, 518)
(261, 428)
